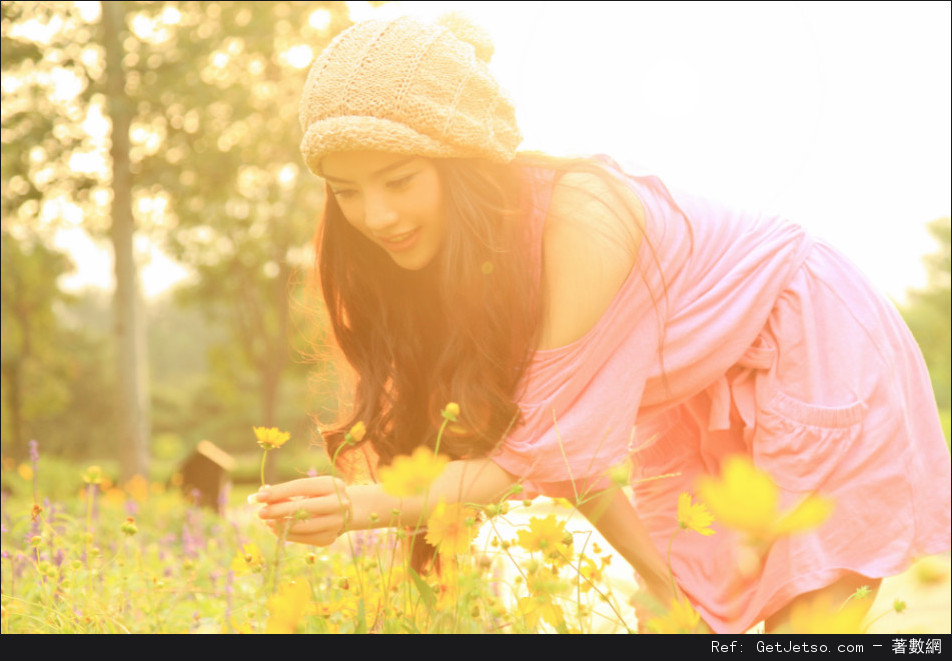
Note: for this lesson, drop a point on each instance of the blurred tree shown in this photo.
(54, 363)
(929, 312)
(133, 419)
(241, 212)
(31, 362)
(209, 92)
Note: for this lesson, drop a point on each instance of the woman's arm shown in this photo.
(616, 519)
(321, 508)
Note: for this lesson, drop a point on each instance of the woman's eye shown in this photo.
(344, 194)
(402, 182)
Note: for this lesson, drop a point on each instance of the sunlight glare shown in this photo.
(61, 210)
(320, 19)
(299, 56)
(90, 163)
(171, 16)
(143, 27)
(67, 85)
(36, 31)
(88, 11)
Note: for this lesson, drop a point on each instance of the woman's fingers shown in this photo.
(312, 539)
(313, 507)
(310, 511)
(304, 487)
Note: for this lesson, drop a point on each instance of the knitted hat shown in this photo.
(408, 87)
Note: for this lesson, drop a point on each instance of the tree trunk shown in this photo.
(133, 422)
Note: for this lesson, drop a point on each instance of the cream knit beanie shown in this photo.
(408, 87)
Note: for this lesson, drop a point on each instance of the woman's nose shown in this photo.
(378, 214)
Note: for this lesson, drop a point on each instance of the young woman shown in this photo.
(582, 317)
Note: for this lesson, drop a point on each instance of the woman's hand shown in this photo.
(315, 510)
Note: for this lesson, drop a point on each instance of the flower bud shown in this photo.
(356, 433)
(128, 527)
(451, 412)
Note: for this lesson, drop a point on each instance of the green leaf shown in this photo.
(426, 592)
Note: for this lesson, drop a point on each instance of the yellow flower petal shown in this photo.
(809, 514)
(547, 536)
(271, 438)
(540, 609)
(288, 606)
(743, 497)
(248, 560)
(680, 618)
(451, 528)
(451, 412)
(356, 433)
(694, 516)
(413, 475)
(822, 616)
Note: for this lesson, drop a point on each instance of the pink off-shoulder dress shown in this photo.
(739, 333)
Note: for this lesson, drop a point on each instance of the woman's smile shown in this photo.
(400, 242)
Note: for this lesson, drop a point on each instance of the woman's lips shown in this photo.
(400, 242)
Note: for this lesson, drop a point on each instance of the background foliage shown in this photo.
(217, 185)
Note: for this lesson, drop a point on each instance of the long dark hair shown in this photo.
(459, 330)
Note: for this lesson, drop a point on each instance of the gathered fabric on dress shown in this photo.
(739, 333)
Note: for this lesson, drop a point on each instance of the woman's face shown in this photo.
(394, 200)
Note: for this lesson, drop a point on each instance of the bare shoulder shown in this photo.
(590, 243)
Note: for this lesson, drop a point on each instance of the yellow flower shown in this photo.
(931, 570)
(809, 513)
(451, 412)
(271, 438)
(591, 573)
(547, 536)
(92, 475)
(746, 499)
(620, 474)
(25, 471)
(288, 607)
(694, 516)
(138, 488)
(356, 433)
(451, 528)
(247, 561)
(540, 608)
(544, 587)
(129, 526)
(413, 475)
(680, 618)
(821, 616)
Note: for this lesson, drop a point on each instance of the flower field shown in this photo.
(140, 558)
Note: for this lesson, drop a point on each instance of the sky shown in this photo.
(835, 115)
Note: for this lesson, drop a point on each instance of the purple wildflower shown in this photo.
(34, 462)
